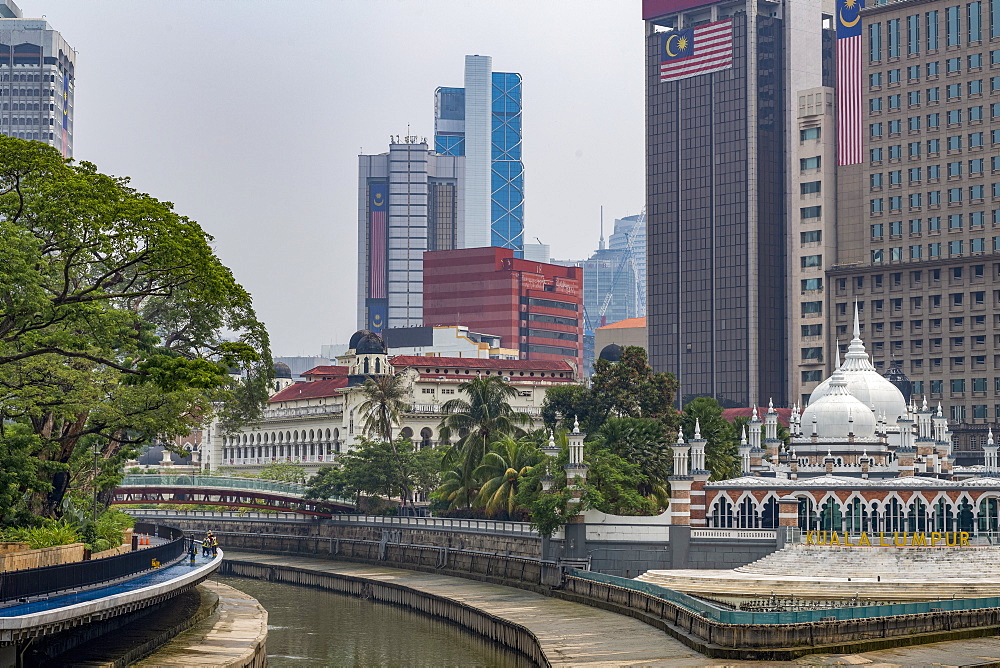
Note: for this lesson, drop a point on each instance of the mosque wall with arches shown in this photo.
(858, 510)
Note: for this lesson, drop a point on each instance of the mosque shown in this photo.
(863, 457)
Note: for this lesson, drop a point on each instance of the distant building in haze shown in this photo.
(535, 307)
(37, 80)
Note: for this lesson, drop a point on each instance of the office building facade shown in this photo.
(534, 307)
(482, 122)
(718, 126)
(410, 200)
(37, 80)
(919, 230)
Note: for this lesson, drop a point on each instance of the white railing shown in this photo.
(742, 534)
(249, 515)
(278, 413)
(440, 523)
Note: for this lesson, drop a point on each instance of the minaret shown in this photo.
(990, 452)
(576, 469)
(680, 485)
(771, 442)
(744, 453)
(697, 449)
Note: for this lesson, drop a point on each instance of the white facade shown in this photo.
(311, 423)
(447, 341)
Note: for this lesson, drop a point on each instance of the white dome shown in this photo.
(838, 413)
(863, 382)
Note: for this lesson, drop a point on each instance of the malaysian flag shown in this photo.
(378, 205)
(693, 51)
(849, 119)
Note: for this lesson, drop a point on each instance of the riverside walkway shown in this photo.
(573, 634)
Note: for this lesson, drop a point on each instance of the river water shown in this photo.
(312, 627)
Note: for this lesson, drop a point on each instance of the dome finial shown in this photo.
(680, 437)
(924, 406)
(989, 437)
(857, 321)
(743, 439)
(837, 349)
(697, 428)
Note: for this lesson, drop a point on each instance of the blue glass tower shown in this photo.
(482, 122)
(507, 170)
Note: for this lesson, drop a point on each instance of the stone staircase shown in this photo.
(833, 572)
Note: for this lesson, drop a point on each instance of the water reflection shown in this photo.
(311, 627)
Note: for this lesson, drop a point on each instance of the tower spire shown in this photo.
(857, 321)
(601, 244)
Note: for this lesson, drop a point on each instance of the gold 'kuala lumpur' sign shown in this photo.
(895, 539)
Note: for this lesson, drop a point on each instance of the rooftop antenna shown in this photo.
(601, 245)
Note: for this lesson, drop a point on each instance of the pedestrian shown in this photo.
(206, 545)
(215, 546)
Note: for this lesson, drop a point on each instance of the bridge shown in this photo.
(225, 491)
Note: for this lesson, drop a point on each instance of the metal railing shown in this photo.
(20, 585)
(212, 481)
(491, 526)
(792, 617)
(234, 514)
(741, 534)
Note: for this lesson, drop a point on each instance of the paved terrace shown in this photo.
(572, 634)
(834, 572)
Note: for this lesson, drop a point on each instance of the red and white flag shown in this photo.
(693, 51)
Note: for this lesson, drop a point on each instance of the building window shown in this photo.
(931, 23)
(811, 236)
(812, 376)
(809, 133)
(934, 120)
(812, 353)
(877, 256)
(812, 330)
(810, 187)
(812, 284)
(811, 211)
(975, 20)
(811, 261)
(809, 163)
(875, 42)
(809, 308)
(953, 27)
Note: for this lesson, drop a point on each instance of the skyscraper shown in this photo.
(920, 206)
(37, 79)
(482, 122)
(410, 200)
(720, 80)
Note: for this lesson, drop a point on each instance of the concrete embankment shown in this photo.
(547, 630)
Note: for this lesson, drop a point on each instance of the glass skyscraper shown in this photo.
(482, 122)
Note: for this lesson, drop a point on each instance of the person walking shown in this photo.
(206, 545)
(215, 546)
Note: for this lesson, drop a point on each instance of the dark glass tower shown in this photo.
(716, 183)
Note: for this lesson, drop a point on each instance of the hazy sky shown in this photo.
(249, 115)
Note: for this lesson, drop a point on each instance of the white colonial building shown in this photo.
(311, 422)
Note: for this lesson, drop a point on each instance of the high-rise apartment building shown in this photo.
(410, 200)
(482, 122)
(722, 82)
(534, 307)
(37, 80)
(919, 216)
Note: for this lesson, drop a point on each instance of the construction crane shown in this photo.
(628, 259)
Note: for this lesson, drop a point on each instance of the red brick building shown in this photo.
(536, 308)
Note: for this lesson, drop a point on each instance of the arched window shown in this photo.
(378, 365)
(988, 516)
(966, 518)
(367, 368)
(895, 517)
(917, 516)
(769, 518)
(722, 513)
(807, 514)
(854, 514)
(943, 520)
(425, 437)
(747, 515)
(406, 433)
(831, 517)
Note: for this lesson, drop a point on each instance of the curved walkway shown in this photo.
(573, 634)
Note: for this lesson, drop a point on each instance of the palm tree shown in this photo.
(457, 488)
(503, 470)
(484, 418)
(383, 405)
(381, 409)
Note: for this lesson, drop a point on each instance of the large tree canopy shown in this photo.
(118, 324)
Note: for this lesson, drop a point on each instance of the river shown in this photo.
(312, 627)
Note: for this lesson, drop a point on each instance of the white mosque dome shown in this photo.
(864, 382)
(838, 413)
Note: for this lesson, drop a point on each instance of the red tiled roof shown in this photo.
(784, 414)
(406, 361)
(327, 371)
(456, 378)
(626, 323)
(313, 390)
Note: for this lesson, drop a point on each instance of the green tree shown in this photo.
(721, 452)
(642, 441)
(503, 470)
(478, 421)
(382, 409)
(570, 403)
(630, 388)
(118, 325)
